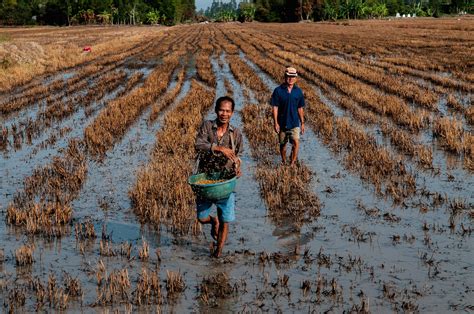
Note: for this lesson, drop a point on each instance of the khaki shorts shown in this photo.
(291, 135)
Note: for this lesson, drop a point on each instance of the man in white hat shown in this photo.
(288, 114)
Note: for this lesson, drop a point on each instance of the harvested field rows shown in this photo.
(376, 215)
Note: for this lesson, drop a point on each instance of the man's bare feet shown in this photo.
(217, 252)
(214, 227)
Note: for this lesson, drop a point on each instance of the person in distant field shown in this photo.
(219, 146)
(288, 114)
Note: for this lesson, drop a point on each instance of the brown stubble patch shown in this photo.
(56, 50)
(120, 113)
(24, 255)
(450, 132)
(56, 185)
(175, 285)
(161, 193)
(285, 189)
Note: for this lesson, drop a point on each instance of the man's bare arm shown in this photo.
(301, 116)
(276, 126)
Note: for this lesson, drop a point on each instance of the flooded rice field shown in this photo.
(377, 215)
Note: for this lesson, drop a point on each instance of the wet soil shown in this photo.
(363, 252)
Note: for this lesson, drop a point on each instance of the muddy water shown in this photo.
(445, 164)
(340, 212)
(107, 189)
(359, 250)
(249, 204)
(21, 163)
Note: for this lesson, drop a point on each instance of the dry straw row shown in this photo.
(388, 83)
(116, 118)
(204, 68)
(60, 57)
(399, 138)
(431, 51)
(417, 65)
(402, 68)
(169, 97)
(286, 190)
(246, 76)
(161, 193)
(43, 206)
(450, 133)
(54, 296)
(221, 39)
(374, 163)
(132, 82)
(60, 88)
(60, 109)
(365, 95)
(469, 113)
(396, 85)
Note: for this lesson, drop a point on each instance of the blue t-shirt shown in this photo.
(288, 104)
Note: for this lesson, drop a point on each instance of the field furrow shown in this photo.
(97, 145)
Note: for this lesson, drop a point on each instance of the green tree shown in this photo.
(246, 12)
(351, 9)
(153, 17)
(104, 18)
(394, 6)
(15, 12)
(434, 8)
(330, 10)
(417, 9)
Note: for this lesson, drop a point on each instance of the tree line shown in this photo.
(74, 12)
(170, 12)
(317, 10)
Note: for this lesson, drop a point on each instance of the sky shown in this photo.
(203, 4)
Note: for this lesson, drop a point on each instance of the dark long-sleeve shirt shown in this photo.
(207, 138)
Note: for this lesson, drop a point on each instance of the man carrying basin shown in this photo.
(219, 145)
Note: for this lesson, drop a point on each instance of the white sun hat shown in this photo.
(290, 71)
